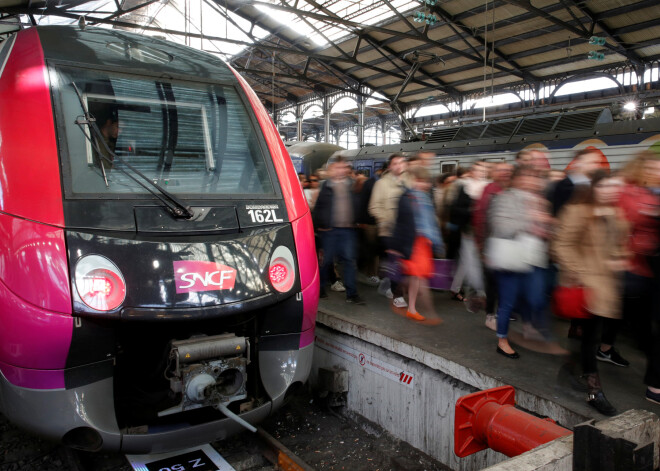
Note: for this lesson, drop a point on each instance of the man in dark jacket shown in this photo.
(334, 219)
(368, 235)
(584, 164)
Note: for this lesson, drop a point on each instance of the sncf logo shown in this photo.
(203, 276)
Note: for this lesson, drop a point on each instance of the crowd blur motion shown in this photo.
(523, 242)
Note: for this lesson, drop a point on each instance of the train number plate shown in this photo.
(203, 458)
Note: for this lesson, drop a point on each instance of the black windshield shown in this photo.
(192, 139)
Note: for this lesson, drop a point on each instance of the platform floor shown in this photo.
(463, 339)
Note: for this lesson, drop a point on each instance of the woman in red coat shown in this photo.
(640, 202)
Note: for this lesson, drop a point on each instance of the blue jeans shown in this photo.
(525, 291)
(339, 242)
(536, 289)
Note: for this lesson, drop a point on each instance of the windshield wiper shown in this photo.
(177, 207)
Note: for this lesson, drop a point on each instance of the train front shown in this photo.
(159, 279)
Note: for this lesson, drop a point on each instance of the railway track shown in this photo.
(251, 452)
(279, 455)
(319, 436)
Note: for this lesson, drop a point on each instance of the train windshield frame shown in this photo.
(195, 139)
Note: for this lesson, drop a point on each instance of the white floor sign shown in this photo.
(201, 458)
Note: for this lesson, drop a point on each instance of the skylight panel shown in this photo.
(172, 16)
(345, 103)
(333, 33)
(283, 17)
(99, 5)
(48, 20)
(489, 101)
(600, 83)
(376, 99)
(430, 110)
(360, 12)
(296, 23)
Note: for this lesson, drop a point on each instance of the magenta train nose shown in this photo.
(159, 277)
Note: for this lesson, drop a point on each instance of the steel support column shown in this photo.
(360, 126)
(326, 119)
(299, 126)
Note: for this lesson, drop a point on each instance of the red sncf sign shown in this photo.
(191, 276)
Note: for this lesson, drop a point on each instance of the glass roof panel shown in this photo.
(106, 6)
(171, 15)
(368, 12)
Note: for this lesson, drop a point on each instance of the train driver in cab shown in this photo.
(108, 124)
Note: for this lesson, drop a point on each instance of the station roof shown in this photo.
(289, 49)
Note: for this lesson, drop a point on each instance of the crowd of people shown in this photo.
(521, 234)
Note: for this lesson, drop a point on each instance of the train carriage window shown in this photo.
(192, 139)
(364, 170)
(449, 167)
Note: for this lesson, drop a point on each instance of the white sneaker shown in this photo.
(400, 302)
(491, 322)
(338, 286)
(373, 280)
(388, 294)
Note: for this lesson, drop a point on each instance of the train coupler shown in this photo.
(208, 371)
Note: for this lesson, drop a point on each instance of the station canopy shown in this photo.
(414, 51)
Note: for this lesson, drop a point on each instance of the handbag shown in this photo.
(506, 255)
(570, 302)
(443, 274)
(535, 250)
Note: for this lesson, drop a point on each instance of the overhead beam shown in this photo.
(568, 6)
(464, 30)
(575, 41)
(479, 31)
(335, 70)
(636, 27)
(120, 12)
(512, 86)
(526, 4)
(625, 9)
(260, 72)
(520, 37)
(364, 28)
(624, 50)
(297, 75)
(389, 53)
(300, 14)
(349, 59)
(442, 86)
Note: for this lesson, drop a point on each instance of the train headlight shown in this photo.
(99, 282)
(281, 270)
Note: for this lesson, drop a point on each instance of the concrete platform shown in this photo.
(461, 352)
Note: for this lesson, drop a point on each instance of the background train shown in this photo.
(309, 156)
(560, 135)
(159, 282)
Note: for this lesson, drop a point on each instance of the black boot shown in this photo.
(595, 396)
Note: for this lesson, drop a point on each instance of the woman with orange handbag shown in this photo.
(417, 238)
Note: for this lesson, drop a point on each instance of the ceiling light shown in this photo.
(630, 106)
